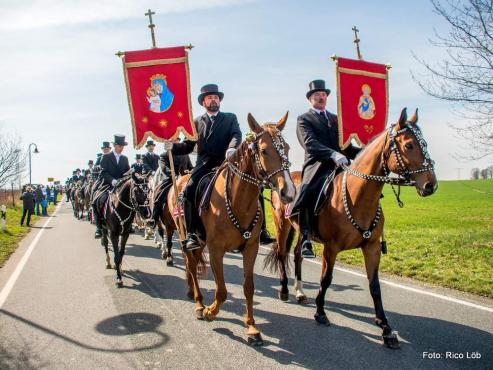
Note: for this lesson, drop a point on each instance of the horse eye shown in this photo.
(263, 151)
(409, 146)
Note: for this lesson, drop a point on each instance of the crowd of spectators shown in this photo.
(35, 200)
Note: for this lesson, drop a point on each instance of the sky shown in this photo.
(62, 86)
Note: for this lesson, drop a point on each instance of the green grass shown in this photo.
(445, 239)
(10, 238)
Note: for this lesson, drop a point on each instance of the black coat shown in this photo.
(150, 162)
(98, 161)
(319, 139)
(225, 133)
(182, 163)
(27, 200)
(110, 170)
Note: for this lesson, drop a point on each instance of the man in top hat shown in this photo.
(106, 148)
(150, 159)
(138, 166)
(219, 135)
(113, 166)
(318, 134)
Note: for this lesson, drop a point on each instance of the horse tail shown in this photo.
(276, 258)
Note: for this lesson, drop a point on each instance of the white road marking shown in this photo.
(15, 275)
(405, 287)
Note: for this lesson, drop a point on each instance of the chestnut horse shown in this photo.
(352, 216)
(233, 218)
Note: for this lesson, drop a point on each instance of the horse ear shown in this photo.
(282, 122)
(403, 119)
(254, 125)
(414, 118)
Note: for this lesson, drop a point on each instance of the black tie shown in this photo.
(209, 126)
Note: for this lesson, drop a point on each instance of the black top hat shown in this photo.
(99, 154)
(138, 156)
(77, 170)
(210, 89)
(73, 172)
(150, 142)
(316, 85)
(90, 161)
(106, 144)
(120, 140)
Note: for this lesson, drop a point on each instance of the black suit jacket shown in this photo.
(150, 162)
(225, 133)
(110, 170)
(319, 139)
(138, 167)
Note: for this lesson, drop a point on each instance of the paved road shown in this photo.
(64, 312)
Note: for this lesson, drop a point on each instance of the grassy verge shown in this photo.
(445, 239)
(10, 238)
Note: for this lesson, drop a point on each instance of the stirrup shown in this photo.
(191, 243)
(307, 249)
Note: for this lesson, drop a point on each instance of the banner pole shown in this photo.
(181, 228)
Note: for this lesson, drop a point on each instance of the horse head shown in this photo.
(408, 154)
(140, 194)
(271, 156)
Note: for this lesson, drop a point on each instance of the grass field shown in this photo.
(445, 239)
(14, 233)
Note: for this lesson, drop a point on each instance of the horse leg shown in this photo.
(123, 243)
(284, 239)
(249, 257)
(298, 282)
(104, 243)
(116, 258)
(372, 261)
(193, 284)
(329, 259)
(169, 245)
(216, 262)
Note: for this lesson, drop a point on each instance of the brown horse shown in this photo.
(87, 197)
(352, 217)
(233, 218)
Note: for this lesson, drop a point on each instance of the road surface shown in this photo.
(60, 309)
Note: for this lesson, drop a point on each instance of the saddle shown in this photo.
(204, 189)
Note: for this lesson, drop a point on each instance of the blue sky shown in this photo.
(62, 85)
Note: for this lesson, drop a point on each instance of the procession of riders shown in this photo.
(222, 197)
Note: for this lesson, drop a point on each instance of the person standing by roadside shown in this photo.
(38, 197)
(55, 194)
(27, 198)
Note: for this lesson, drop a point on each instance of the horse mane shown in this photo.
(369, 147)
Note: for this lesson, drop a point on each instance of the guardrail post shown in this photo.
(3, 216)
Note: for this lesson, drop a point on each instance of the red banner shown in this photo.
(362, 100)
(158, 90)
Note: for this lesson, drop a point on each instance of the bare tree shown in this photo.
(465, 76)
(12, 159)
(475, 174)
(484, 173)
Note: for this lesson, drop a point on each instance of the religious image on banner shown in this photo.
(362, 100)
(158, 89)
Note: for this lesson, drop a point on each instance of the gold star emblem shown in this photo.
(180, 114)
(163, 123)
(145, 119)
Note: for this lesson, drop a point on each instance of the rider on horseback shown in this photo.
(138, 166)
(150, 160)
(318, 134)
(219, 135)
(113, 166)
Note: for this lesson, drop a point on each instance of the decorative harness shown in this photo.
(404, 174)
(262, 178)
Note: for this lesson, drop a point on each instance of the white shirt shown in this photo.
(211, 115)
(117, 157)
(318, 111)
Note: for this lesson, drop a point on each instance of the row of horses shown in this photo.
(351, 217)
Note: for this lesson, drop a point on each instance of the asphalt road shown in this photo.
(65, 312)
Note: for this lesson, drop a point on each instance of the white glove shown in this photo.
(230, 152)
(339, 159)
(168, 145)
(113, 182)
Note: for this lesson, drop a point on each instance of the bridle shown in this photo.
(262, 177)
(403, 175)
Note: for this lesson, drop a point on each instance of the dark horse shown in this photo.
(352, 217)
(117, 210)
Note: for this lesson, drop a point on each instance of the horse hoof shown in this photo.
(108, 266)
(199, 313)
(321, 319)
(284, 296)
(119, 283)
(255, 340)
(169, 263)
(163, 255)
(146, 237)
(301, 299)
(391, 341)
(208, 315)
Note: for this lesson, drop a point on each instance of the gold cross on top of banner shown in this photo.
(356, 41)
(150, 13)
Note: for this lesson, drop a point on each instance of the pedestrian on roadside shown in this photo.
(38, 197)
(55, 195)
(48, 194)
(27, 198)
